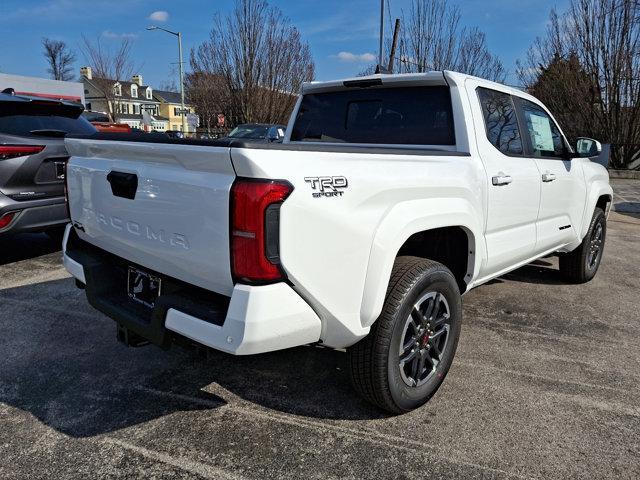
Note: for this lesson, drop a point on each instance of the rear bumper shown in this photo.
(255, 319)
(34, 216)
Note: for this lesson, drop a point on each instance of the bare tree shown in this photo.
(209, 95)
(262, 59)
(108, 67)
(473, 57)
(431, 38)
(60, 59)
(169, 85)
(603, 36)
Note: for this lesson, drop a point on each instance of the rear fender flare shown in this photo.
(394, 230)
(597, 190)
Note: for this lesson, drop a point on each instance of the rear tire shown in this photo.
(408, 352)
(581, 265)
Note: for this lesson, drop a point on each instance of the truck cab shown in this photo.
(389, 198)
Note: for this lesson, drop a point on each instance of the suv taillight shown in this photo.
(6, 219)
(13, 151)
(255, 229)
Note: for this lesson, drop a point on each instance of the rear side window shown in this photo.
(546, 140)
(392, 116)
(28, 124)
(501, 121)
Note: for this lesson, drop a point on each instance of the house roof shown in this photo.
(126, 88)
(168, 97)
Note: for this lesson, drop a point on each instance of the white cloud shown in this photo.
(349, 57)
(116, 36)
(159, 16)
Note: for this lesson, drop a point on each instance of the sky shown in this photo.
(342, 34)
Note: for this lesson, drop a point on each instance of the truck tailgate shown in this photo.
(161, 206)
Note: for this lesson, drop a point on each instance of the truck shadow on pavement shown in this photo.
(544, 271)
(63, 365)
(26, 246)
(631, 209)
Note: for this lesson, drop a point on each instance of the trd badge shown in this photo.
(327, 186)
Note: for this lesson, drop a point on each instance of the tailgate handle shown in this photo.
(123, 184)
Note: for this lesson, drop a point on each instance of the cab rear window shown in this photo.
(392, 116)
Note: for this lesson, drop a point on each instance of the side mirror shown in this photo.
(588, 147)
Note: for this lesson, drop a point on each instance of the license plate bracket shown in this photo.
(60, 168)
(143, 287)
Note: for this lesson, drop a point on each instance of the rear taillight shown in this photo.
(255, 229)
(6, 219)
(12, 151)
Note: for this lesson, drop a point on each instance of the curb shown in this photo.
(628, 174)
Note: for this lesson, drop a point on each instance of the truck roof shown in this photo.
(434, 77)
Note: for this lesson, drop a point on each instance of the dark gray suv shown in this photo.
(32, 161)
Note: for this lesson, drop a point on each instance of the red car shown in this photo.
(103, 123)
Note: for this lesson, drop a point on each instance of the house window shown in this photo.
(134, 91)
(117, 90)
(148, 94)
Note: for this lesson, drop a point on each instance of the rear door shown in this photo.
(161, 206)
(513, 180)
(563, 189)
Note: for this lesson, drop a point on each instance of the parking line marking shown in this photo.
(618, 409)
(41, 277)
(590, 386)
(370, 436)
(203, 402)
(192, 466)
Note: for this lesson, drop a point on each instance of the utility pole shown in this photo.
(380, 59)
(394, 44)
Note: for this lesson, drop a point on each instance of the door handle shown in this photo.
(501, 180)
(123, 184)
(548, 177)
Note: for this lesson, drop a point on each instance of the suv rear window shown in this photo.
(24, 124)
(393, 116)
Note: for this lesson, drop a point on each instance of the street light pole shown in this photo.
(380, 59)
(184, 117)
(182, 109)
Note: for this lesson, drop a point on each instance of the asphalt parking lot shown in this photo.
(546, 384)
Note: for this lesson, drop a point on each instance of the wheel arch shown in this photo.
(600, 195)
(404, 233)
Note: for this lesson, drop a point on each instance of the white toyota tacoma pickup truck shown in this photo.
(390, 197)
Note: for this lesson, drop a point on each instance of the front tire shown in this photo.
(581, 265)
(408, 352)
